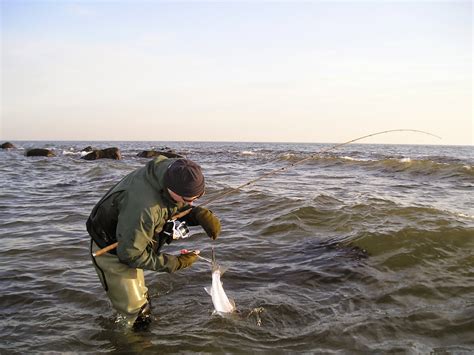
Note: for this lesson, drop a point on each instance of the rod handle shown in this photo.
(105, 250)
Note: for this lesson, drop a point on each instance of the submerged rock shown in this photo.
(87, 149)
(7, 145)
(39, 152)
(154, 153)
(107, 153)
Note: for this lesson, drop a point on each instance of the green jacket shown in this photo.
(132, 213)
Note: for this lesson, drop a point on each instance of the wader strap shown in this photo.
(98, 268)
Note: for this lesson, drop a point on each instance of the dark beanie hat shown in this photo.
(185, 178)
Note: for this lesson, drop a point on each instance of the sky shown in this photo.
(257, 71)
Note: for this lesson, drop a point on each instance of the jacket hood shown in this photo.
(155, 172)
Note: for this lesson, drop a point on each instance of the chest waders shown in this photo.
(125, 287)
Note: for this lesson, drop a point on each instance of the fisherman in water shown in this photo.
(137, 213)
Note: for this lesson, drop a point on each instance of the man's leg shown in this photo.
(125, 286)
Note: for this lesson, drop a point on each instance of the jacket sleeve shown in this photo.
(135, 229)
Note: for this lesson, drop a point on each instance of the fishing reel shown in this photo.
(180, 230)
(173, 230)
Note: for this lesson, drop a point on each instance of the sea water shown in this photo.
(368, 248)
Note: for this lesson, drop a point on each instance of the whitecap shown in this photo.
(358, 159)
(67, 152)
(247, 152)
(463, 215)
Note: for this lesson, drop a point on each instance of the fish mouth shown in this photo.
(214, 265)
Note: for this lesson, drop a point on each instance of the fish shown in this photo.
(222, 304)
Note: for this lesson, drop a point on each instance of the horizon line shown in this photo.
(229, 141)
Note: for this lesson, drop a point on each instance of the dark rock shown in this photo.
(40, 152)
(107, 153)
(154, 153)
(7, 145)
(87, 149)
(148, 154)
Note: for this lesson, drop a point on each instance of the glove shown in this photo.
(166, 234)
(207, 220)
(186, 260)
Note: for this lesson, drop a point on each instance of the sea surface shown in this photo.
(364, 249)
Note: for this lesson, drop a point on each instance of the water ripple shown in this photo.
(366, 250)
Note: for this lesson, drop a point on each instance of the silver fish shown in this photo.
(222, 304)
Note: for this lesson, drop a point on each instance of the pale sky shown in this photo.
(315, 71)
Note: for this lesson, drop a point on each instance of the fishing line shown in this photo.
(203, 258)
(276, 171)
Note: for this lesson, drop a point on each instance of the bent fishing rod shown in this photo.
(276, 171)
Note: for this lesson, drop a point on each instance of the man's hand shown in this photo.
(186, 259)
(207, 220)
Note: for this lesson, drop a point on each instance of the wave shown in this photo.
(402, 234)
(248, 152)
(411, 247)
(72, 153)
(443, 168)
(361, 263)
(425, 167)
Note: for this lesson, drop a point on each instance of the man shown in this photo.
(137, 213)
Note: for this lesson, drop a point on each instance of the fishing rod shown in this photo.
(276, 171)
